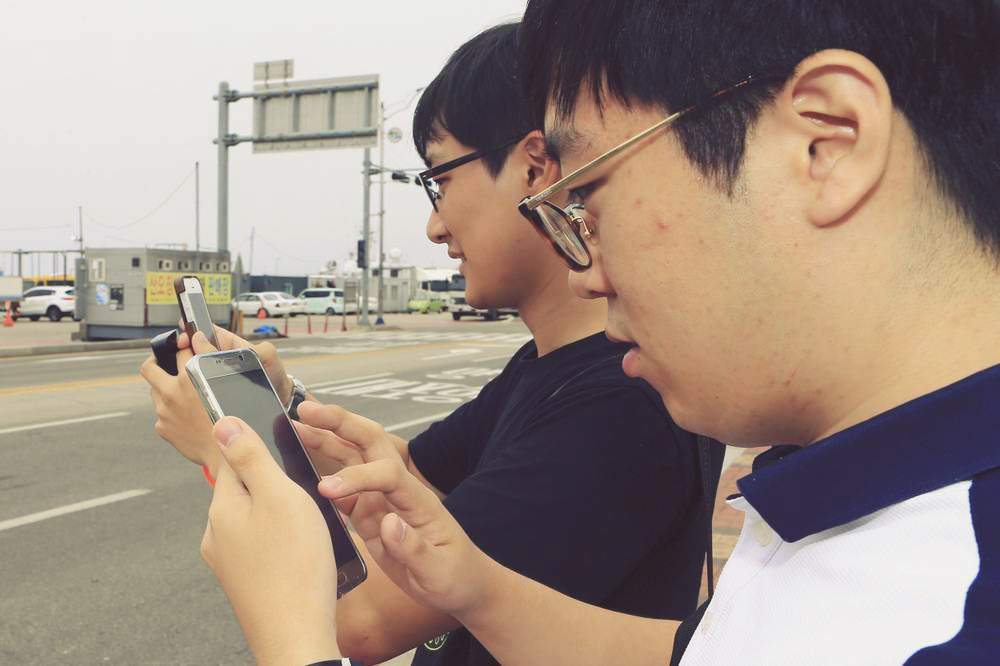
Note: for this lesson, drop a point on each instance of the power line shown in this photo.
(150, 213)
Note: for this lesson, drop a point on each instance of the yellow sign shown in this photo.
(160, 287)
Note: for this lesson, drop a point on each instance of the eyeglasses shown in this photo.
(433, 189)
(566, 227)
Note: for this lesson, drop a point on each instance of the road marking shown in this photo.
(465, 351)
(505, 357)
(346, 381)
(70, 508)
(96, 357)
(407, 424)
(50, 424)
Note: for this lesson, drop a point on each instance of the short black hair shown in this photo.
(478, 98)
(941, 59)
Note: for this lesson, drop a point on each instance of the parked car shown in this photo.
(425, 306)
(298, 305)
(324, 300)
(52, 302)
(460, 308)
(270, 303)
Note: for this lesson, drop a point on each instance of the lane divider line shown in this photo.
(407, 424)
(51, 424)
(347, 380)
(71, 508)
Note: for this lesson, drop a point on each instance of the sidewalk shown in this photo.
(30, 338)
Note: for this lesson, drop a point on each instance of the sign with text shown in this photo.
(218, 287)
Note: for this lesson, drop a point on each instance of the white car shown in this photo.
(270, 303)
(52, 302)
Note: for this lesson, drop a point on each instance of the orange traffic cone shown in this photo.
(261, 314)
(287, 317)
(309, 324)
(8, 320)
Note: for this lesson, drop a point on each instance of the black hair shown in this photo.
(941, 59)
(478, 98)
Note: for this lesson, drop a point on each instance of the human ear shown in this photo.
(541, 170)
(838, 110)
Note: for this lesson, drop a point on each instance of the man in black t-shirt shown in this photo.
(563, 468)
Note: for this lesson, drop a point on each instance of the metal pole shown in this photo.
(79, 214)
(379, 321)
(197, 209)
(253, 230)
(20, 263)
(365, 234)
(223, 216)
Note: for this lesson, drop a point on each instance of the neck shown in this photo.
(557, 317)
(948, 337)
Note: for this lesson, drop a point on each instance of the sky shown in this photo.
(108, 105)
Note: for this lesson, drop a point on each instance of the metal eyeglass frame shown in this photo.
(425, 178)
(570, 215)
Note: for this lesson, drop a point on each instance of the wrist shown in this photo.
(301, 651)
(489, 585)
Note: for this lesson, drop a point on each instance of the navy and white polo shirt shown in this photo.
(879, 545)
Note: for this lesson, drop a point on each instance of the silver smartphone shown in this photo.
(233, 383)
(194, 308)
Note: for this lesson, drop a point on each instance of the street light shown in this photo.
(379, 321)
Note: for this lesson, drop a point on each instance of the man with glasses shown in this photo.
(562, 468)
(802, 196)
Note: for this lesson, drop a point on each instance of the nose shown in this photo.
(593, 282)
(437, 232)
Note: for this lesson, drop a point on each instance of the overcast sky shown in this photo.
(108, 105)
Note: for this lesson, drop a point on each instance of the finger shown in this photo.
(367, 435)
(183, 342)
(201, 345)
(246, 455)
(407, 547)
(328, 444)
(229, 340)
(414, 501)
(154, 375)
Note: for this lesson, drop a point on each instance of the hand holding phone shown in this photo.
(194, 308)
(233, 383)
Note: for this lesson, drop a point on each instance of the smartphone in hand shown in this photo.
(194, 308)
(233, 383)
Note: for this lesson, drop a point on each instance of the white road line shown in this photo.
(50, 424)
(407, 424)
(347, 381)
(70, 508)
(505, 357)
(454, 353)
(94, 357)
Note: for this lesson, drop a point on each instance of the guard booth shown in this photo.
(127, 293)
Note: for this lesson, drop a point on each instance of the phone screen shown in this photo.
(248, 395)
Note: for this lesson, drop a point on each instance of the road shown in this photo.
(100, 521)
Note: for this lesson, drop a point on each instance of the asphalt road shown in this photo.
(100, 521)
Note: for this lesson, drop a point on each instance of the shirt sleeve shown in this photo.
(586, 491)
(447, 451)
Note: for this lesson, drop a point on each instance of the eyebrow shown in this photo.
(562, 141)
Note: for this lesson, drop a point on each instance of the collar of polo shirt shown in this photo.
(926, 444)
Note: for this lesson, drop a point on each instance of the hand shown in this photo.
(269, 546)
(412, 536)
(336, 438)
(181, 419)
(228, 340)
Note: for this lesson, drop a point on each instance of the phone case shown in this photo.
(165, 351)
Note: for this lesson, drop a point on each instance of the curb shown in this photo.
(117, 345)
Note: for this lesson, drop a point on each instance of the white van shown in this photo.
(325, 300)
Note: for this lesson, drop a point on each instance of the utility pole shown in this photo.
(379, 321)
(79, 214)
(197, 209)
(365, 234)
(223, 221)
(253, 230)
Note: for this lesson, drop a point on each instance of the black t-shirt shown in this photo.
(571, 473)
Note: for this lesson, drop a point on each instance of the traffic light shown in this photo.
(362, 255)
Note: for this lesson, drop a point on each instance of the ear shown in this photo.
(540, 171)
(838, 110)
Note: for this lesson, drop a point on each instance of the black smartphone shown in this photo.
(194, 308)
(165, 350)
(233, 383)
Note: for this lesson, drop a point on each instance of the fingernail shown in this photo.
(333, 483)
(227, 430)
(400, 529)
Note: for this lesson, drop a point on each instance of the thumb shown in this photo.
(246, 454)
(200, 344)
(407, 547)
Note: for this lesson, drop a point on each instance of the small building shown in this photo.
(126, 293)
